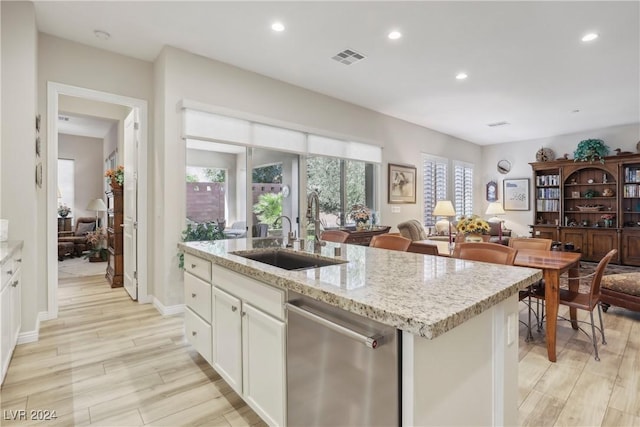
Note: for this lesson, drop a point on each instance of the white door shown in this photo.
(131, 138)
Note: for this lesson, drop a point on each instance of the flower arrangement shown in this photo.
(116, 175)
(472, 225)
(64, 210)
(608, 216)
(360, 213)
(590, 150)
(98, 242)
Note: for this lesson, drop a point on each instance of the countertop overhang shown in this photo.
(421, 294)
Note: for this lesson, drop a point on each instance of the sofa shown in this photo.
(78, 237)
(414, 230)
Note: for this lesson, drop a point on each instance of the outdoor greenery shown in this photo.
(590, 150)
(323, 175)
(215, 175)
(197, 232)
(271, 174)
(268, 208)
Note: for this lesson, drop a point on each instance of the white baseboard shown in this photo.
(168, 310)
(32, 336)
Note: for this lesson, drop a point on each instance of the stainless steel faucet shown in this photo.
(291, 236)
(314, 216)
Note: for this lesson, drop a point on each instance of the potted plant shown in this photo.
(116, 176)
(590, 150)
(98, 242)
(64, 210)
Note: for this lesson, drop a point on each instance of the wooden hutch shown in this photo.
(594, 205)
(115, 219)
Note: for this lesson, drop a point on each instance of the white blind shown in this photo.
(205, 126)
(434, 179)
(463, 188)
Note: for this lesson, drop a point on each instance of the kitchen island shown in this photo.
(457, 319)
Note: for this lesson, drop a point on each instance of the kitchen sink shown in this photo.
(288, 260)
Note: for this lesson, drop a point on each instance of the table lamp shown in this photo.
(445, 208)
(98, 206)
(495, 208)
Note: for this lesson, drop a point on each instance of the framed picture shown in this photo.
(39, 174)
(402, 183)
(516, 194)
(38, 120)
(575, 194)
(38, 146)
(492, 191)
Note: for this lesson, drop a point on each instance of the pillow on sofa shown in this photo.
(494, 228)
(412, 229)
(84, 227)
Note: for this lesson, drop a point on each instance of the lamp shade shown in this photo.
(97, 205)
(444, 208)
(495, 208)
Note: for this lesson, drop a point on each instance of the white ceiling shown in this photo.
(525, 60)
(76, 124)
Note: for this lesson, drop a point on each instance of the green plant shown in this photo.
(116, 175)
(269, 207)
(63, 210)
(590, 150)
(198, 232)
(590, 193)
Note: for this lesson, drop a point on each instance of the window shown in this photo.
(66, 183)
(434, 181)
(463, 188)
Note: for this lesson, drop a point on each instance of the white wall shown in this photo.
(19, 193)
(520, 154)
(75, 64)
(89, 164)
(181, 75)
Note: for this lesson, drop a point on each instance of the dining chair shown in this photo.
(525, 294)
(585, 300)
(485, 252)
(390, 241)
(337, 236)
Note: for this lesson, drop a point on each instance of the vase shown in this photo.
(114, 184)
(63, 215)
(473, 238)
(361, 225)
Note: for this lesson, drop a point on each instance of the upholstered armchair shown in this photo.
(79, 235)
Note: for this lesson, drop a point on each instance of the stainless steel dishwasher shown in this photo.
(342, 369)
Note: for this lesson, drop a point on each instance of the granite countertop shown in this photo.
(421, 294)
(8, 248)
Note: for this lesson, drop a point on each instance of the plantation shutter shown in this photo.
(463, 188)
(434, 170)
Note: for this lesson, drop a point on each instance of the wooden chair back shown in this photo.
(390, 241)
(485, 252)
(530, 243)
(594, 292)
(337, 236)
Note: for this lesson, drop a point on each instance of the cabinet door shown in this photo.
(264, 382)
(227, 338)
(630, 247)
(5, 329)
(601, 242)
(577, 236)
(16, 309)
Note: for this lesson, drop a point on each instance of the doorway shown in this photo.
(137, 172)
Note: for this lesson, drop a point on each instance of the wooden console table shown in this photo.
(363, 237)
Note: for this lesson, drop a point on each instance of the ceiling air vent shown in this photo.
(348, 56)
(496, 124)
(63, 118)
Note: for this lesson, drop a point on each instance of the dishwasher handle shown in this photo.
(370, 342)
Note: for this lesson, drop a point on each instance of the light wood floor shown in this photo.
(108, 361)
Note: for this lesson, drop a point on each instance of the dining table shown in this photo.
(553, 264)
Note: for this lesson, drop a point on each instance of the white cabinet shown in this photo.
(227, 330)
(249, 341)
(10, 311)
(197, 299)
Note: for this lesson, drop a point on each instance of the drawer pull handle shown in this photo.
(9, 272)
(244, 313)
(234, 308)
(19, 260)
(194, 333)
(193, 266)
(14, 284)
(193, 295)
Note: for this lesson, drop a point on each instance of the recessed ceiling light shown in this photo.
(395, 35)
(102, 35)
(589, 37)
(277, 26)
(461, 76)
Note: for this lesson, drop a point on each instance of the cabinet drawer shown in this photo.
(7, 272)
(198, 333)
(198, 267)
(197, 296)
(265, 297)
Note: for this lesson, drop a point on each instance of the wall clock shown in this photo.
(504, 166)
(545, 155)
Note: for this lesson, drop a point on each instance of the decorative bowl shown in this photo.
(593, 208)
